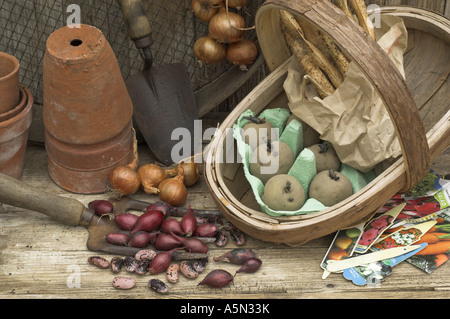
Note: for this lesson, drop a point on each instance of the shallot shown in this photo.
(126, 221)
(163, 207)
(117, 239)
(218, 278)
(166, 242)
(250, 266)
(192, 245)
(237, 256)
(171, 225)
(189, 222)
(141, 239)
(162, 261)
(206, 230)
(101, 207)
(148, 221)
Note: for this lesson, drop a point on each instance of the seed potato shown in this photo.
(284, 193)
(330, 187)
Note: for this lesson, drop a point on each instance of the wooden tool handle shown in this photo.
(136, 21)
(18, 194)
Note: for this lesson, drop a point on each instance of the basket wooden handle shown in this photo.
(380, 71)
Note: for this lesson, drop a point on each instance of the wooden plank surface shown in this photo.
(40, 258)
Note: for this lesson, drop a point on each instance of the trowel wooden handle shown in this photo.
(18, 194)
(137, 22)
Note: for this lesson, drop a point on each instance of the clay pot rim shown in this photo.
(75, 59)
(17, 109)
(21, 114)
(16, 66)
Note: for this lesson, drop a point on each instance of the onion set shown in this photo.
(209, 51)
(173, 191)
(242, 53)
(151, 175)
(226, 26)
(204, 10)
(124, 180)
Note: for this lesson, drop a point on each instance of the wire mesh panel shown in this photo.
(25, 26)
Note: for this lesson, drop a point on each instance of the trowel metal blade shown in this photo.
(163, 101)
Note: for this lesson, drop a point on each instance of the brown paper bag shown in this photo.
(354, 119)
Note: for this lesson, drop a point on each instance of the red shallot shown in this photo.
(162, 261)
(189, 222)
(141, 239)
(166, 242)
(101, 207)
(126, 221)
(148, 221)
(218, 278)
(117, 239)
(237, 256)
(206, 230)
(170, 225)
(250, 266)
(192, 245)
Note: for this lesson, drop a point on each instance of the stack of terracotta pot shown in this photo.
(16, 103)
(87, 111)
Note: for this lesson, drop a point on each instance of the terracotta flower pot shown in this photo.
(87, 111)
(19, 107)
(13, 139)
(9, 82)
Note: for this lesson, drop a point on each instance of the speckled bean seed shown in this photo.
(200, 265)
(188, 270)
(142, 267)
(130, 264)
(172, 273)
(116, 264)
(123, 283)
(147, 254)
(158, 286)
(98, 261)
(221, 239)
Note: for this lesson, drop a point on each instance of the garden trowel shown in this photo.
(71, 212)
(162, 95)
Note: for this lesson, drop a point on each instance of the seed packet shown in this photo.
(374, 273)
(404, 237)
(375, 228)
(342, 246)
(438, 239)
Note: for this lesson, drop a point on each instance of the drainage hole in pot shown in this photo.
(76, 42)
